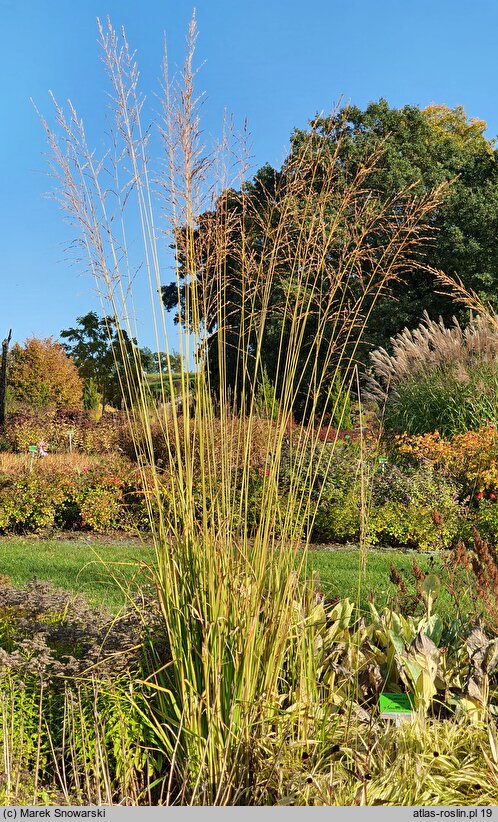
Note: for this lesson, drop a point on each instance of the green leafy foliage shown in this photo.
(99, 497)
(266, 399)
(29, 503)
(414, 507)
(435, 661)
(424, 148)
(485, 520)
(91, 397)
(104, 353)
(337, 405)
(409, 506)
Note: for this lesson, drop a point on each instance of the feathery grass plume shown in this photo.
(438, 377)
(242, 662)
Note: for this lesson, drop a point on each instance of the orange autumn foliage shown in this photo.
(41, 374)
(471, 458)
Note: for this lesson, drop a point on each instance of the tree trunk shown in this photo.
(3, 380)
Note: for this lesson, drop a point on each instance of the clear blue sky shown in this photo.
(276, 62)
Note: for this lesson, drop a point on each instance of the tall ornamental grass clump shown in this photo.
(438, 378)
(241, 664)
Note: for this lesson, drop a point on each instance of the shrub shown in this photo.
(88, 436)
(417, 507)
(337, 406)
(469, 459)
(101, 508)
(414, 506)
(485, 520)
(339, 519)
(91, 396)
(29, 503)
(158, 442)
(329, 475)
(266, 399)
(99, 496)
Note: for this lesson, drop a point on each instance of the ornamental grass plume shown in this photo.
(431, 346)
(242, 667)
(438, 378)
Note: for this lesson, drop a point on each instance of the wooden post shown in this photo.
(3, 380)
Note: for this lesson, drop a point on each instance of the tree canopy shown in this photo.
(399, 156)
(98, 348)
(41, 374)
(424, 148)
(154, 362)
(313, 228)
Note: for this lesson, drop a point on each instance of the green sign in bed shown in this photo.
(396, 703)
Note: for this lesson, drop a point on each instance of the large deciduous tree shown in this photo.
(388, 150)
(99, 348)
(424, 148)
(305, 247)
(41, 374)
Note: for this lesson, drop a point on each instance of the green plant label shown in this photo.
(33, 449)
(396, 703)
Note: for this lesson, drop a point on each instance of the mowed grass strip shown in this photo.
(102, 569)
(340, 574)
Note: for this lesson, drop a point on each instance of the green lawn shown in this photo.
(87, 566)
(96, 568)
(340, 574)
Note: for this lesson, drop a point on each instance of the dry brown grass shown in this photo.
(16, 464)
